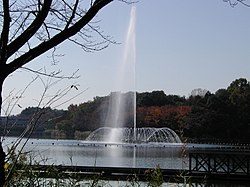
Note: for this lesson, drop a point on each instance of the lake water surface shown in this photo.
(82, 153)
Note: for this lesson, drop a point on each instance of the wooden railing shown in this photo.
(232, 163)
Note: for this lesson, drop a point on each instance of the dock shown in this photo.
(204, 165)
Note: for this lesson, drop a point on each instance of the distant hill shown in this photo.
(203, 116)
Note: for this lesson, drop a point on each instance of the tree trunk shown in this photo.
(2, 154)
(2, 162)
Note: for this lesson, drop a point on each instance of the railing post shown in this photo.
(248, 164)
(190, 161)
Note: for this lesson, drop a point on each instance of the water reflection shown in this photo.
(72, 152)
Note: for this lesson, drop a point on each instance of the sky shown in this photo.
(180, 46)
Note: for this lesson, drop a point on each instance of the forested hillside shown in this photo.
(203, 116)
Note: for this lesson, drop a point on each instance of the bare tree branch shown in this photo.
(53, 74)
(236, 2)
(31, 30)
(5, 33)
(73, 13)
(59, 38)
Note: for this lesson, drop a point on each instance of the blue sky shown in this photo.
(180, 46)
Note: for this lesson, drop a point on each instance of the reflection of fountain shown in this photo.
(126, 135)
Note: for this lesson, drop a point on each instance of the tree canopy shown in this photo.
(220, 116)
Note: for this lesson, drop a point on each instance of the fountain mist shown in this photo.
(119, 102)
(122, 105)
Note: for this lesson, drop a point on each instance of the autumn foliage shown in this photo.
(162, 116)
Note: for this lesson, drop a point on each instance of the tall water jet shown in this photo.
(126, 82)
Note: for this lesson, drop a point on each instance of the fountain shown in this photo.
(121, 104)
(126, 135)
(119, 143)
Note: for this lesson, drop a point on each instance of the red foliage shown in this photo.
(162, 115)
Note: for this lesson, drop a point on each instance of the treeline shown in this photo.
(203, 116)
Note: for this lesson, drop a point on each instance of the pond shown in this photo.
(86, 153)
(83, 153)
